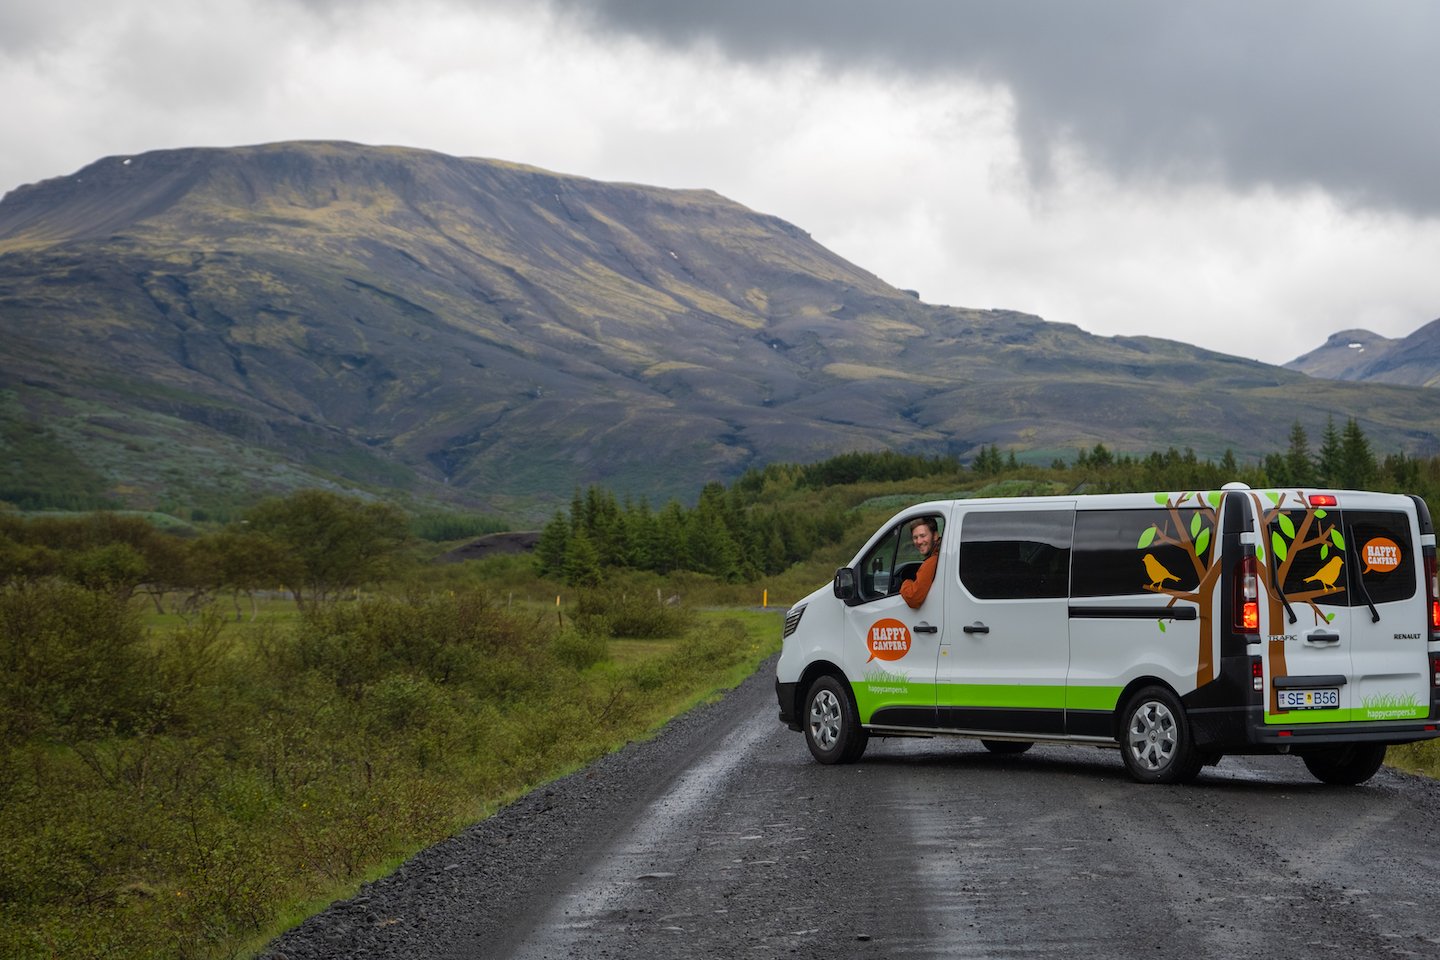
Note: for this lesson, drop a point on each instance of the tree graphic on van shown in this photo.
(1191, 540)
(1285, 542)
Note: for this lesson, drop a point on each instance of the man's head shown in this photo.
(925, 534)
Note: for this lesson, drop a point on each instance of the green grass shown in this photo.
(1422, 758)
(231, 777)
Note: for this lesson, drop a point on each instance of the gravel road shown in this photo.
(722, 838)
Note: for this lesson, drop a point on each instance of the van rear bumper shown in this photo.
(1314, 734)
(1231, 729)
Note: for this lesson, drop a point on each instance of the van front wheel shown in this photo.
(832, 724)
(1347, 765)
(1156, 741)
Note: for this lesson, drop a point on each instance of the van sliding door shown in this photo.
(1005, 653)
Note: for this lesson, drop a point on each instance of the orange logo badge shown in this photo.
(1381, 555)
(888, 640)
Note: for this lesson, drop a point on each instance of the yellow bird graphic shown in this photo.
(1328, 574)
(1157, 572)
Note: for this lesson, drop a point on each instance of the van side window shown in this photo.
(1376, 547)
(1016, 554)
(1136, 552)
(892, 561)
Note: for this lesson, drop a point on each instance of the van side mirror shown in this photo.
(845, 584)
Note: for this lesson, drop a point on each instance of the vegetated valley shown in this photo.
(208, 733)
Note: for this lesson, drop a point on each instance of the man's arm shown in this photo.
(913, 591)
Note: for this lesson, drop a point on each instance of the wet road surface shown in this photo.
(722, 838)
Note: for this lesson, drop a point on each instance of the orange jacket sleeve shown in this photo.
(914, 591)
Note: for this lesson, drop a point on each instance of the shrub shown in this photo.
(579, 649)
(71, 661)
(444, 639)
(631, 615)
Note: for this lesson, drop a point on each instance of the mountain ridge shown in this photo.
(497, 334)
(1360, 355)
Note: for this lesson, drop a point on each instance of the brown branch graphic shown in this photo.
(1205, 574)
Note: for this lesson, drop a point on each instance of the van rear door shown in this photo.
(1388, 641)
(1347, 629)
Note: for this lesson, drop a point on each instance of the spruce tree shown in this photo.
(1357, 462)
(1327, 463)
(582, 562)
(1299, 465)
(550, 549)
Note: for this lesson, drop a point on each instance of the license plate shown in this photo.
(1324, 699)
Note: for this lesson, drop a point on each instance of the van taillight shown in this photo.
(1247, 597)
(1432, 593)
(1435, 671)
(1257, 674)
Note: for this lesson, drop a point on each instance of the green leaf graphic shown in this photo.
(1329, 618)
(1146, 538)
(1202, 542)
(1162, 498)
(1277, 543)
(1324, 550)
(1320, 514)
(1215, 496)
(1195, 526)
(1161, 625)
(1339, 540)
(1274, 497)
(1287, 525)
(1260, 552)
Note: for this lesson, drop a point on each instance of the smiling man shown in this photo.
(925, 535)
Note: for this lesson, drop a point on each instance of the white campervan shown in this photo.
(1179, 626)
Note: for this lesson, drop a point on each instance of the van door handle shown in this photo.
(976, 627)
(1324, 637)
(923, 627)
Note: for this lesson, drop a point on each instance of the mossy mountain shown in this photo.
(202, 325)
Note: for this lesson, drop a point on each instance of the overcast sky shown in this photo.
(1249, 175)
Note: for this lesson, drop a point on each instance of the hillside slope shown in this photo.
(202, 325)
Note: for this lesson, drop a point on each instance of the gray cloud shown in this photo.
(1254, 93)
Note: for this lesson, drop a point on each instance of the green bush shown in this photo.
(71, 662)
(579, 649)
(634, 615)
(446, 640)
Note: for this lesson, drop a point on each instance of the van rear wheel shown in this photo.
(1006, 748)
(1347, 765)
(1155, 739)
(832, 723)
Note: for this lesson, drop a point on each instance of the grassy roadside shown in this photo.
(206, 784)
(1422, 758)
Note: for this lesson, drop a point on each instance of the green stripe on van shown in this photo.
(1021, 696)
(1346, 715)
(873, 694)
(1092, 698)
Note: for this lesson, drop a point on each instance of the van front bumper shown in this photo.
(785, 693)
